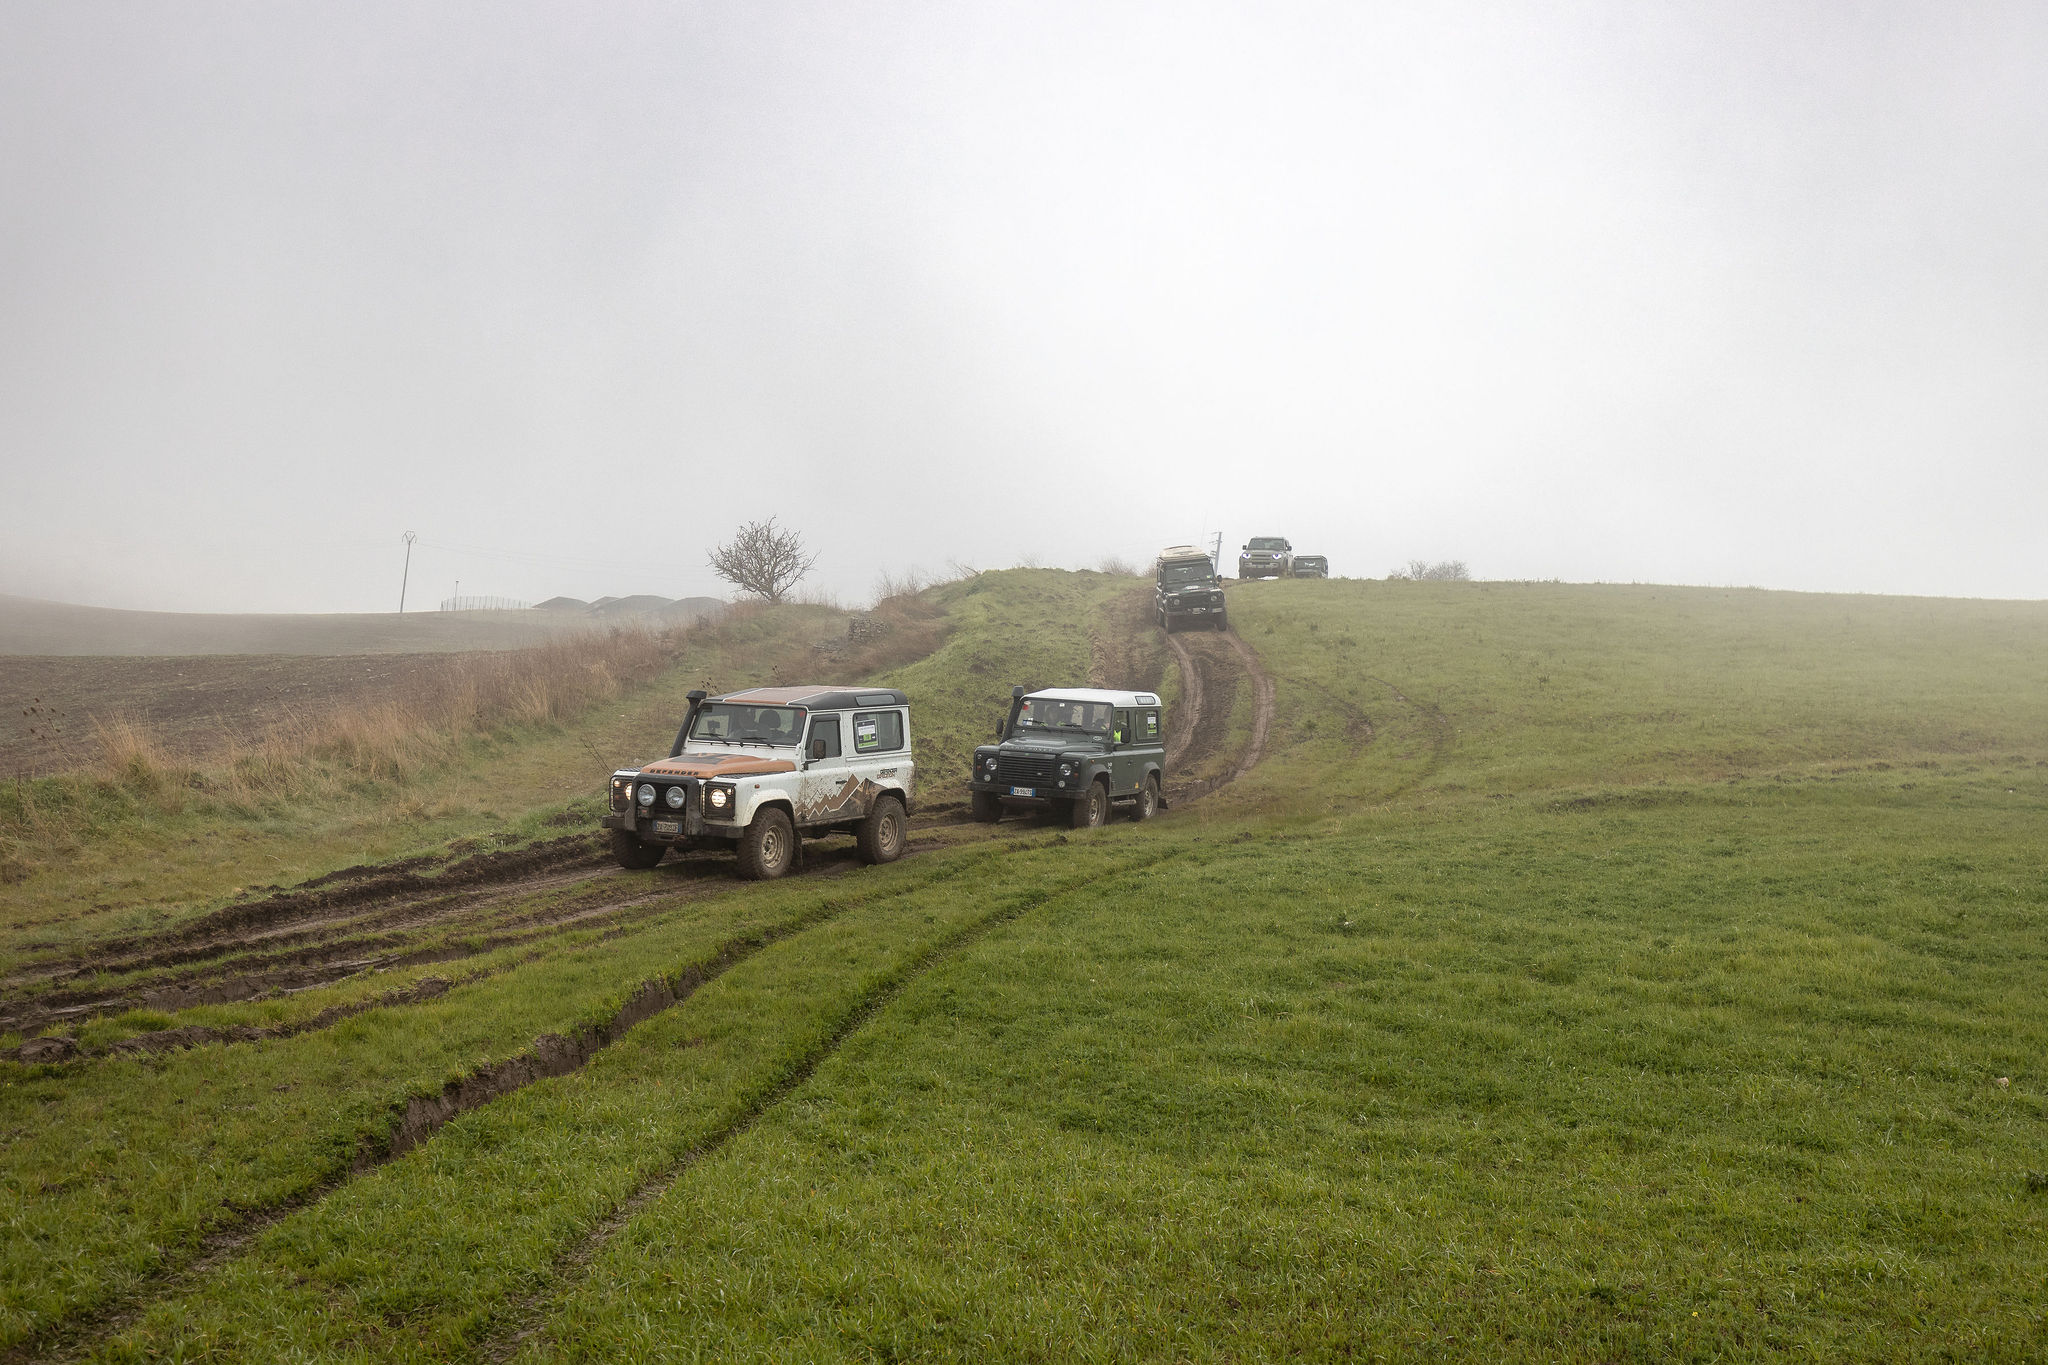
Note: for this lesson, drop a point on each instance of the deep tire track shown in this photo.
(527, 1317)
(419, 1118)
(1209, 690)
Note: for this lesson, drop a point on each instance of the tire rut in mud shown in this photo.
(242, 978)
(1212, 672)
(420, 1118)
(418, 1121)
(250, 920)
(526, 1318)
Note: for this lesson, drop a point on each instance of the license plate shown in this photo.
(668, 827)
(1023, 791)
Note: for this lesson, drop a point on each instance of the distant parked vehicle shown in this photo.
(1311, 566)
(1186, 591)
(760, 769)
(1077, 750)
(1265, 557)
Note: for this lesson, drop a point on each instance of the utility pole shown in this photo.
(410, 537)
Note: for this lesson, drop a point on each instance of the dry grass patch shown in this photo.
(461, 698)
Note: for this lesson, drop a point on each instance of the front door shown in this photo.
(1123, 764)
(827, 794)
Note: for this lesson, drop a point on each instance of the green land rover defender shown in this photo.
(1186, 591)
(1078, 751)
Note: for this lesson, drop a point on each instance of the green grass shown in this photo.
(1513, 1083)
(463, 1226)
(1519, 689)
(1588, 974)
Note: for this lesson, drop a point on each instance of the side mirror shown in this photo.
(999, 728)
(817, 749)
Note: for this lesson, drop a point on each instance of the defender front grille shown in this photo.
(1026, 770)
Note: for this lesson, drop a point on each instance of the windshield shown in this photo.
(1057, 713)
(1267, 543)
(731, 723)
(1190, 571)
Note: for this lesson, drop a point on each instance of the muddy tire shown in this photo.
(628, 852)
(880, 836)
(985, 807)
(1222, 623)
(1148, 800)
(1090, 811)
(768, 848)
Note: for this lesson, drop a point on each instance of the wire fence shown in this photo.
(482, 604)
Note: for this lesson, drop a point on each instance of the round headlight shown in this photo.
(676, 797)
(1066, 770)
(646, 793)
(719, 797)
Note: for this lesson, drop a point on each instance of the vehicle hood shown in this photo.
(718, 765)
(1065, 742)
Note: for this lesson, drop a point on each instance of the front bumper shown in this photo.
(661, 824)
(1021, 783)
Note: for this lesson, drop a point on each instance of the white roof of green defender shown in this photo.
(1183, 552)
(1097, 694)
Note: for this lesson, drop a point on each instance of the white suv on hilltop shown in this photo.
(762, 768)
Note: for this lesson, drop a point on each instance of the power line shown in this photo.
(406, 576)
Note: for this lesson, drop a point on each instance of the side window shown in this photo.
(877, 732)
(824, 740)
(1151, 725)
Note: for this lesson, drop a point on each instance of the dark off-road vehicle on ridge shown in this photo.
(757, 770)
(1311, 566)
(1076, 750)
(1186, 591)
(1265, 557)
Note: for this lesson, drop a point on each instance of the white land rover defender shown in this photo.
(763, 768)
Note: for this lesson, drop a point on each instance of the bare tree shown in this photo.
(763, 560)
(1443, 571)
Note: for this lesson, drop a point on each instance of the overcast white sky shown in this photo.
(1726, 294)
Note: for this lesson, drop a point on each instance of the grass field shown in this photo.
(1587, 973)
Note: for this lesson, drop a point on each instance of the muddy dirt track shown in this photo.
(422, 911)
